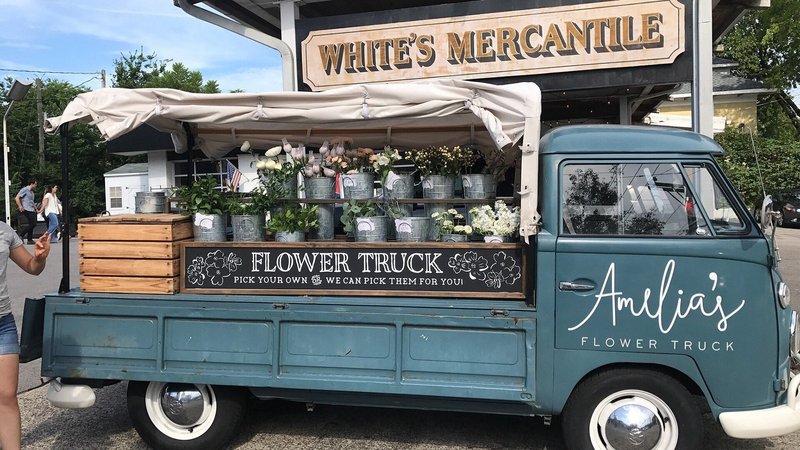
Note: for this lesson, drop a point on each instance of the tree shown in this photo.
(777, 158)
(137, 70)
(766, 44)
(179, 77)
(88, 158)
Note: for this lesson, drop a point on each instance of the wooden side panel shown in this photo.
(129, 250)
(130, 285)
(135, 232)
(137, 218)
(131, 267)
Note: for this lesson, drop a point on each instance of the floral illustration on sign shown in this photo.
(504, 270)
(470, 263)
(216, 266)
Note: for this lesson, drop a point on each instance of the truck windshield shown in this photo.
(628, 199)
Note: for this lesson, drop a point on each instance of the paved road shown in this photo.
(281, 425)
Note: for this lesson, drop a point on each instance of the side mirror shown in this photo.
(765, 219)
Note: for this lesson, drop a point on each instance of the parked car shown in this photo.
(786, 205)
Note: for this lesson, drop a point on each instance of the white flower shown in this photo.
(274, 151)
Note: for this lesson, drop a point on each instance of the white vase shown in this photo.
(495, 239)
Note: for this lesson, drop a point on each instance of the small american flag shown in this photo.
(234, 176)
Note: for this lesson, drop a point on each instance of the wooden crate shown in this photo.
(132, 253)
(135, 227)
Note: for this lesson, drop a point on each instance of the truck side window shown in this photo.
(648, 199)
(713, 199)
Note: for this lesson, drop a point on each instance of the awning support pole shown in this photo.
(65, 208)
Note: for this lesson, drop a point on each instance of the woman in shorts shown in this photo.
(11, 248)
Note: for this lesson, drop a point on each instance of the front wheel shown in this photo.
(632, 409)
(185, 416)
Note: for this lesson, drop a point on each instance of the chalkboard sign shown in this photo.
(429, 269)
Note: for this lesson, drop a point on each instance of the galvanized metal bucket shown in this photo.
(449, 237)
(151, 203)
(358, 185)
(370, 229)
(290, 236)
(321, 188)
(400, 186)
(412, 229)
(248, 228)
(438, 186)
(209, 227)
(479, 186)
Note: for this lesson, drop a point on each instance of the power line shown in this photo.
(49, 71)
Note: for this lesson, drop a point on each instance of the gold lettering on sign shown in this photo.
(567, 38)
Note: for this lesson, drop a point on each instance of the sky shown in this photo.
(51, 36)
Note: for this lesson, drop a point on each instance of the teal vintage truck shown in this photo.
(639, 282)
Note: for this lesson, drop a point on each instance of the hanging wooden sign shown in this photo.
(428, 269)
(583, 36)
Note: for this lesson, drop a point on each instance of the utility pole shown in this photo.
(40, 122)
(102, 78)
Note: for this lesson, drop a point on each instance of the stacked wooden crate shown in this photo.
(132, 253)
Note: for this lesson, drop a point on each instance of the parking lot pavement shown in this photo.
(282, 425)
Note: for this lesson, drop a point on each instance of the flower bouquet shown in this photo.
(496, 224)
(450, 226)
(442, 160)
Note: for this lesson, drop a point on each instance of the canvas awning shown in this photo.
(450, 112)
(413, 115)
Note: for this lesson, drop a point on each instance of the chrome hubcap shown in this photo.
(633, 420)
(182, 403)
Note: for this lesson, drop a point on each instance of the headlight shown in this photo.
(783, 295)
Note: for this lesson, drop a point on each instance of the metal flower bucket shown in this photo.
(358, 185)
(412, 229)
(322, 188)
(248, 228)
(209, 227)
(370, 229)
(479, 186)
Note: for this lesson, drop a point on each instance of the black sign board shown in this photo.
(347, 268)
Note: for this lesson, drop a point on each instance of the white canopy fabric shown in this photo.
(412, 115)
(449, 112)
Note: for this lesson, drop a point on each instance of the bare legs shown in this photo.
(9, 408)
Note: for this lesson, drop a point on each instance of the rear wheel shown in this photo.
(185, 416)
(632, 409)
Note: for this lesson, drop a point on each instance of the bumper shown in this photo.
(761, 423)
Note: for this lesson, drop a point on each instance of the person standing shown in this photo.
(11, 248)
(51, 209)
(25, 204)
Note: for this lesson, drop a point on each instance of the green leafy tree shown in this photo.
(137, 70)
(88, 158)
(179, 77)
(778, 159)
(766, 44)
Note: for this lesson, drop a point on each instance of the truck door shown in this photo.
(660, 258)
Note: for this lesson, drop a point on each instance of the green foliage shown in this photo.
(88, 158)
(765, 43)
(137, 70)
(203, 196)
(293, 219)
(256, 202)
(779, 160)
(358, 208)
